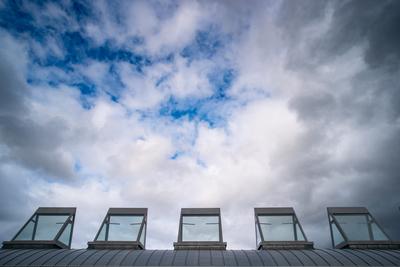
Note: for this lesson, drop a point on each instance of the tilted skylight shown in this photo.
(279, 228)
(47, 227)
(122, 228)
(355, 226)
(200, 228)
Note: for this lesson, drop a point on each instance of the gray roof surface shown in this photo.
(92, 257)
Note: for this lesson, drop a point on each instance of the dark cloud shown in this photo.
(375, 23)
(364, 110)
(33, 145)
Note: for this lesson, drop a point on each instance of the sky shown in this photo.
(177, 104)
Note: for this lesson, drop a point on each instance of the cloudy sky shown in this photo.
(171, 104)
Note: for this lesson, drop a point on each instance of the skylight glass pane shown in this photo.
(354, 226)
(27, 232)
(65, 236)
(142, 235)
(258, 236)
(48, 226)
(377, 232)
(277, 228)
(337, 236)
(124, 228)
(200, 228)
(300, 236)
(102, 234)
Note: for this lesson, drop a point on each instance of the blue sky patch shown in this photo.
(206, 44)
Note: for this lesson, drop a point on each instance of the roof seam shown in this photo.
(283, 256)
(151, 254)
(350, 252)
(25, 258)
(387, 253)
(247, 257)
(112, 257)
(331, 255)
(369, 256)
(32, 261)
(344, 256)
(24, 252)
(137, 257)
(272, 257)
(294, 254)
(318, 255)
(260, 258)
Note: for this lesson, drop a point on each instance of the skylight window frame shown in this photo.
(209, 245)
(354, 211)
(283, 244)
(115, 244)
(51, 243)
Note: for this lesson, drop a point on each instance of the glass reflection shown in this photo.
(27, 232)
(337, 236)
(200, 228)
(354, 226)
(66, 235)
(102, 234)
(277, 228)
(48, 226)
(378, 233)
(124, 228)
(299, 233)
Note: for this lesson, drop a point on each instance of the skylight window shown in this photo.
(355, 227)
(122, 228)
(200, 228)
(279, 228)
(46, 228)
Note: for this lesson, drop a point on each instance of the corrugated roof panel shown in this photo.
(167, 258)
(31, 259)
(253, 257)
(305, 259)
(16, 253)
(229, 258)
(155, 258)
(356, 259)
(53, 259)
(328, 257)
(83, 257)
(24, 257)
(106, 257)
(266, 258)
(344, 260)
(241, 258)
(291, 258)
(217, 258)
(390, 254)
(180, 257)
(144, 257)
(4, 252)
(193, 258)
(396, 252)
(118, 258)
(95, 257)
(131, 258)
(377, 257)
(278, 258)
(80, 259)
(317, 258)
(52, 253)
(205, 258)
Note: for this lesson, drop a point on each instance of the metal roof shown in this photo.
(93, 257)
